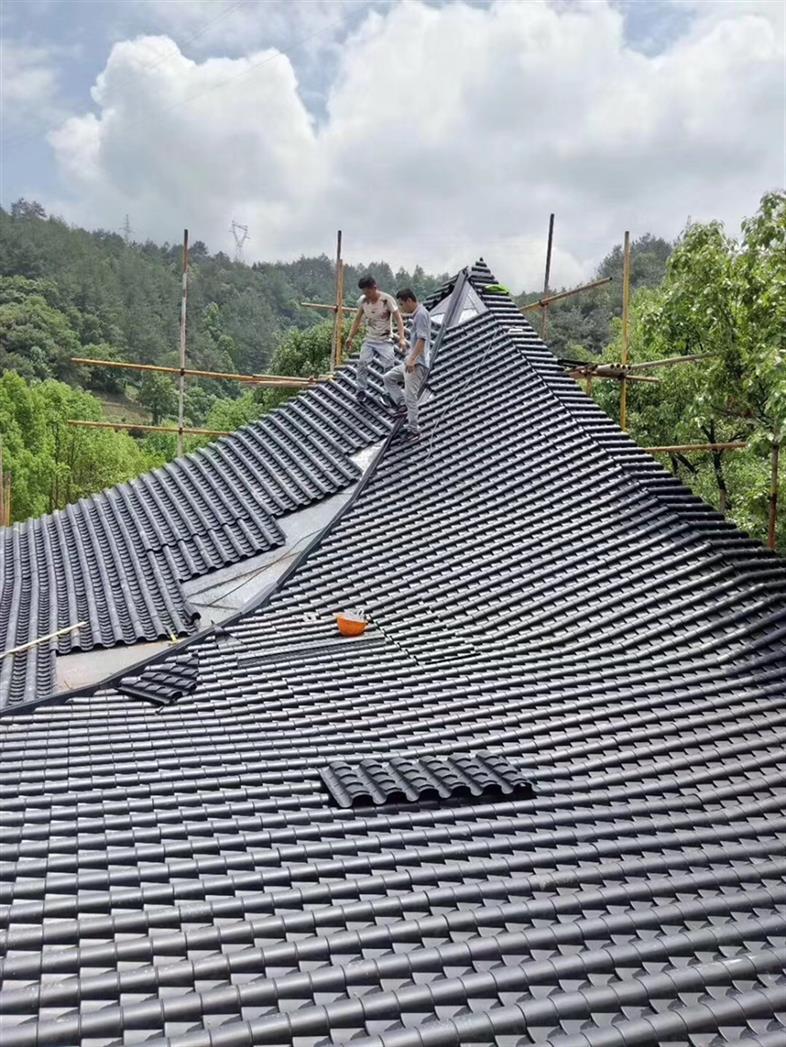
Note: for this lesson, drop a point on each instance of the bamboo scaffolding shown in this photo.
(340, 316)
(321, 305)
(625, 331)
(148, 428)
(543, 303)
(666, 361)
(610, 373)
(545, 314)
(335, 353)
(771, 529)
(223, 376)
(41, 639)
(181, 389)
(734, 445)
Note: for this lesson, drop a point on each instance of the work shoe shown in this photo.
(361, 396)
(409, 436)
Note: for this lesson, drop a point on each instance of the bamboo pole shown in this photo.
(148, 428)
(335, 348)
(8, 499)
(340, 318)
(609, 374)
(771, 530)
(625, 330)
(2, 487)
(181, 392)
(545, 314)
(648, 365)
(543, 302)
(223, 376)
(41, 639)
(319, 305)
(668, 448)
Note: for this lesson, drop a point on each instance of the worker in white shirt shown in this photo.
(377, 309)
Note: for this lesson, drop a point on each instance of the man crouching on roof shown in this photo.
(377, 309)
(412, 373)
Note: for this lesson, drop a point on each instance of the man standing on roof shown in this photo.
(412, 373)
(377, 309)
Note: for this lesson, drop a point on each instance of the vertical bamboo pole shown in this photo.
(544, 324)
(182, 382)
(336, 353)
(8, 499)
(340, 318)
(771, 531)
(625, 329)
(2, 487)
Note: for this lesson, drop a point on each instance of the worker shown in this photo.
(411, 374)
(377, 309)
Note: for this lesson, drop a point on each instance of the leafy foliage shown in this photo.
(53, 463)
(725, 301)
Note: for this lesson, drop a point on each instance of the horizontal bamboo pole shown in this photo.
(616, 376)
(543, 302)
(224, 376)
(733, 446)
(319, 305)
(648, 365)
(148, 428)
(41, 639)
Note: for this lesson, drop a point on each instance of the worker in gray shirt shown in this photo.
(376, 309)
(411, 374)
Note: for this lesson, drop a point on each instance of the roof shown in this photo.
(117, 561)
(549, 609)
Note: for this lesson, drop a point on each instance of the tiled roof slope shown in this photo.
(540, 592)
(116, 560)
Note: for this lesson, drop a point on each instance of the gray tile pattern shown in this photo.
(116, 561)
(541, 592)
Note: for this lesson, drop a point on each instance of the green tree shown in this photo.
(158, 394)
(35, 338)
(725, 301)
(51, 462)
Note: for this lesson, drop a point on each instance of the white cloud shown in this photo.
(450, 131)
(28, 84)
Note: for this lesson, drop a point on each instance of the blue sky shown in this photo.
(464, 124)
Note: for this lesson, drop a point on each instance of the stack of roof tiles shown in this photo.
(548, 609)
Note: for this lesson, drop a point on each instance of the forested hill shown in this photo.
(75, 293)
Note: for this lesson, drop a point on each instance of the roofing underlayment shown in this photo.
(540, 801)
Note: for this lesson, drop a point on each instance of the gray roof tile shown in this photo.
(540, 593)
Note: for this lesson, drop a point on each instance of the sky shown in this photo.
(429, 132)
